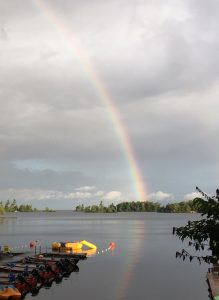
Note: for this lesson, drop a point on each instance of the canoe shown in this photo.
(43, 276)
(48, 260)
(77, 256)
(23, 287)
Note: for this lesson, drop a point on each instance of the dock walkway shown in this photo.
(213, 282)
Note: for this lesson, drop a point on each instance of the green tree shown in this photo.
(47, 209)
(95, 208)
(26, 208)
(111, 208)
(203, 232)
(101, 207)
(7, 205)
(87, 209)
(2, 209)
(79, 208)
(13, 206)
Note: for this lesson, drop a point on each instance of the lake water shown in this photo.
(142, 266)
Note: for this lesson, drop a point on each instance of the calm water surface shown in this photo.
(142, 266)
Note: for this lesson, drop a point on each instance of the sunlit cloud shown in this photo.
(191, 196)
(99, 193)
(86, 188)
(159, 196)
(41, 195)
(113, 196)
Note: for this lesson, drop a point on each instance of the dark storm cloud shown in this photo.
(12, 177)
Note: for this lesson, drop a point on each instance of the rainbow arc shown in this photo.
(102, 92)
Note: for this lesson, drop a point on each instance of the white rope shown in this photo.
(39, 244)
(16, 247)
(102, 251)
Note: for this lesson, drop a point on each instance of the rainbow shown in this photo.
(98, 84)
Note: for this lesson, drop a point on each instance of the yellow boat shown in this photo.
(9, 292)
(73, 246)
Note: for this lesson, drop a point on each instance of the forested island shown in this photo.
(12, 206)
(147, 206)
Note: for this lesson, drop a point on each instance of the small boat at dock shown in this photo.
(9, 292)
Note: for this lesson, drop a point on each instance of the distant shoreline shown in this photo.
(141, 206)
(7, 217)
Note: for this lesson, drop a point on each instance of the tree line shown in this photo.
(12, 206)
(138, 206)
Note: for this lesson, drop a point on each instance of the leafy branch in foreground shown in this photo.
(204, 232)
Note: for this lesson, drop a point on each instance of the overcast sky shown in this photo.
(160, 63)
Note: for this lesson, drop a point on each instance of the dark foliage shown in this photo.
(204, 232)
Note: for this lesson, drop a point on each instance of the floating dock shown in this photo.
(72, 246)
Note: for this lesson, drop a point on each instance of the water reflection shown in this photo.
(134, 254)
(142, 266)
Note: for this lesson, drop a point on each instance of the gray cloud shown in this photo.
(13, 177)
(160, 65)
(3, 34)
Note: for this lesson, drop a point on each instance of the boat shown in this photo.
(43, 275)
(23, 283)
(41, 259)
(67, 254)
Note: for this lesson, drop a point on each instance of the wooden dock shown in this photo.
(213, 282)
(28, 274)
